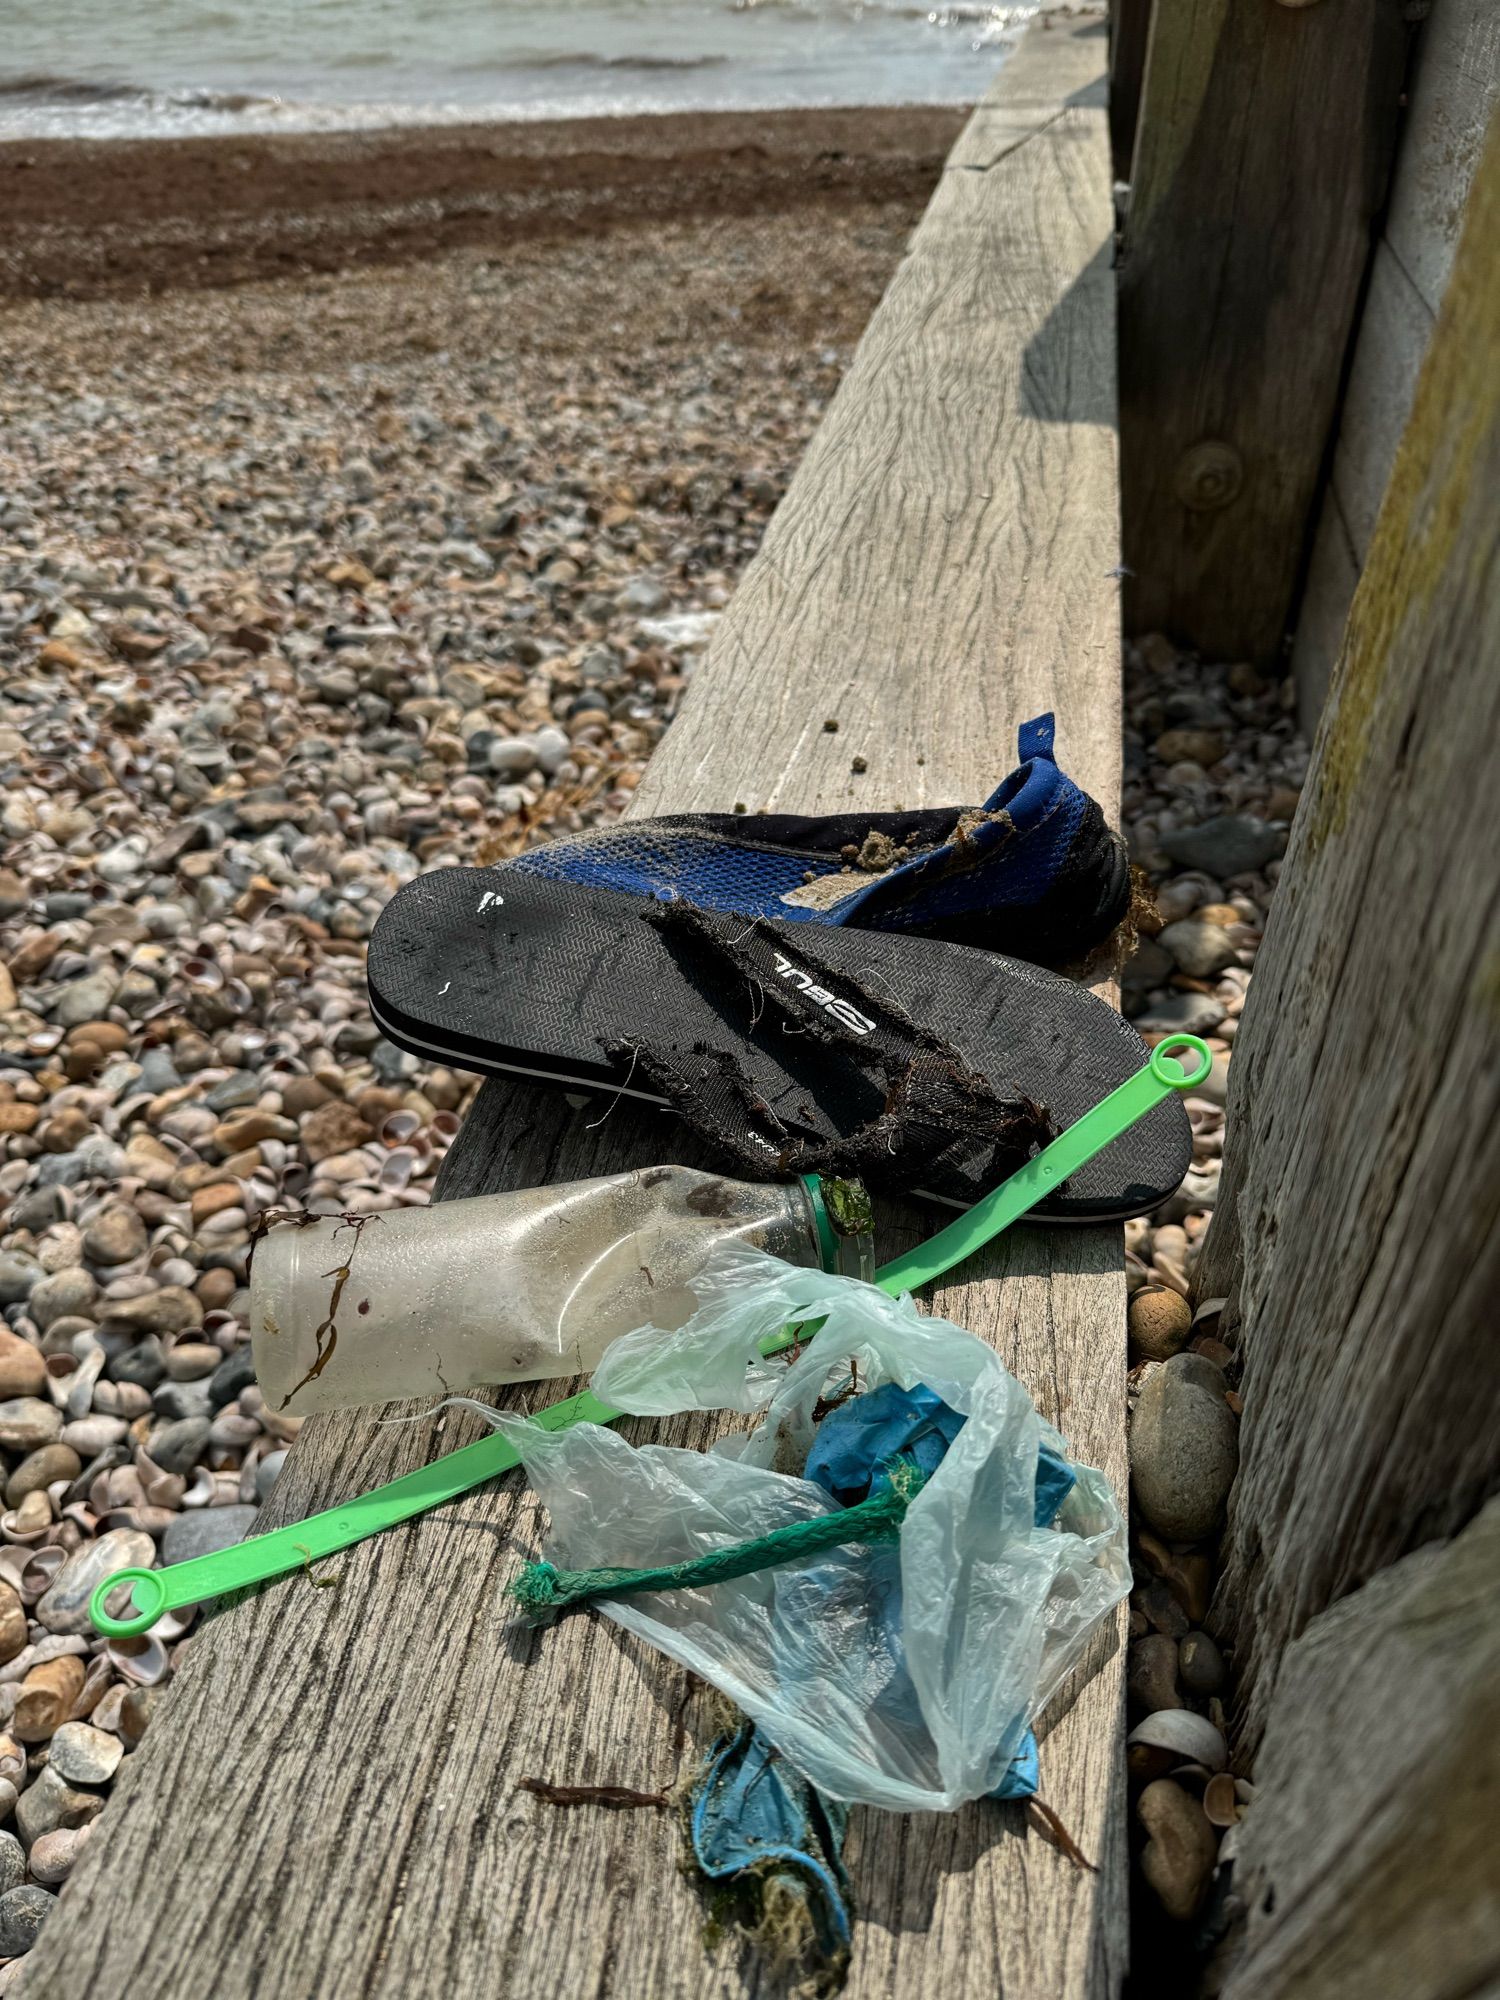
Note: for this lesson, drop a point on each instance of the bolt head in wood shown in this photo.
(1209, 476)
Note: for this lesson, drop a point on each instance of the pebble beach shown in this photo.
(312, 582)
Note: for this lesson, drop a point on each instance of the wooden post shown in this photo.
(1129, 29)
(1358, 1212)
(1265, 141)
(1367, 1861)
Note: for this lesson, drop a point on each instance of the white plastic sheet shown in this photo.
(902, 1676)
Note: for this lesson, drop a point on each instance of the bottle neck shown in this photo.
(843, 1224)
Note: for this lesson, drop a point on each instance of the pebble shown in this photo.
(46, 1695)
(13, 1623)
(62, 1294)
(1152, 1679)
(176, 1446)
(1182, 1014)
(84, 1755)
(64, 1608)
(23, 1911)
(53, 1854)
(1160, 1321)
(172, 1309)
(1191, 746)
(1229, 844)
(23, 1372)
(49, 1802)
(1184, 1447)
(26, 1423)
(115, 1236)
(1198, 947)
(190, 1360)
(234, 1372)
(19, 1273)
(333, 1129)
(39, 1469)
(1200, 1664)
(205, 1531)
(12, 1863)
(1181, 1847)
(140, 1366)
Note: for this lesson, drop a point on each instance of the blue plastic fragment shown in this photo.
(753, 1810)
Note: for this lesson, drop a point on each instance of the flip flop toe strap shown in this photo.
(935, 1104)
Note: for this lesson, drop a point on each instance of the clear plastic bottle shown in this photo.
(514, 1287)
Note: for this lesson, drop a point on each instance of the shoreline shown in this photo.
(89, 218)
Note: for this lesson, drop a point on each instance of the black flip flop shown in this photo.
(926, 1067)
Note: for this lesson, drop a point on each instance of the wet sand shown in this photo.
(97, 217)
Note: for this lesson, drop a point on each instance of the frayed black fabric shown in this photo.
(935, 1104)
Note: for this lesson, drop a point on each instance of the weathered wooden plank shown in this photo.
(1265, 138)
(1452, 97)
(939, 571)
(1332, 578)
(1367, 1862)
(1394, 330)
(1455, 85)
(1357, 1215)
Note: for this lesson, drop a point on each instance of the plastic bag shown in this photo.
(902, 1676)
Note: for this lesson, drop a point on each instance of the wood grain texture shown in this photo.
(328, 1805)
(1368, 1875)
(1452, 98)
(1332, 579)
(1265, 139)
(1357, 1219)
(1455, 85)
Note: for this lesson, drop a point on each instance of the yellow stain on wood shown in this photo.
(1431, 522)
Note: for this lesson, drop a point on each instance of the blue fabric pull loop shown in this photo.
(1036, 738)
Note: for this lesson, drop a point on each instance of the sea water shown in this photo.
(97, 68)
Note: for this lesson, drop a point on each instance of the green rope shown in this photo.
(543, 1591)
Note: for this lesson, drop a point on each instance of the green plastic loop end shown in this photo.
(1166, 1071)
(148, 1602)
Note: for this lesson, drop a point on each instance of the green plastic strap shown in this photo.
(154, 1592)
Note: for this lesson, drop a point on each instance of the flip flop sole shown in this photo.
(518, 975)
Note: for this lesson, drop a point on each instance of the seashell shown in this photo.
(1209, 1309)
(19, 1534)
(41, 1567)
(399, 1127)
(81, 1383)
(201, 1488)
(398, 1167)
(12, 1561)
(1219, 1801)
(1187, 1738)
(153, 1521)
(142, 1659)
(161, 1488)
